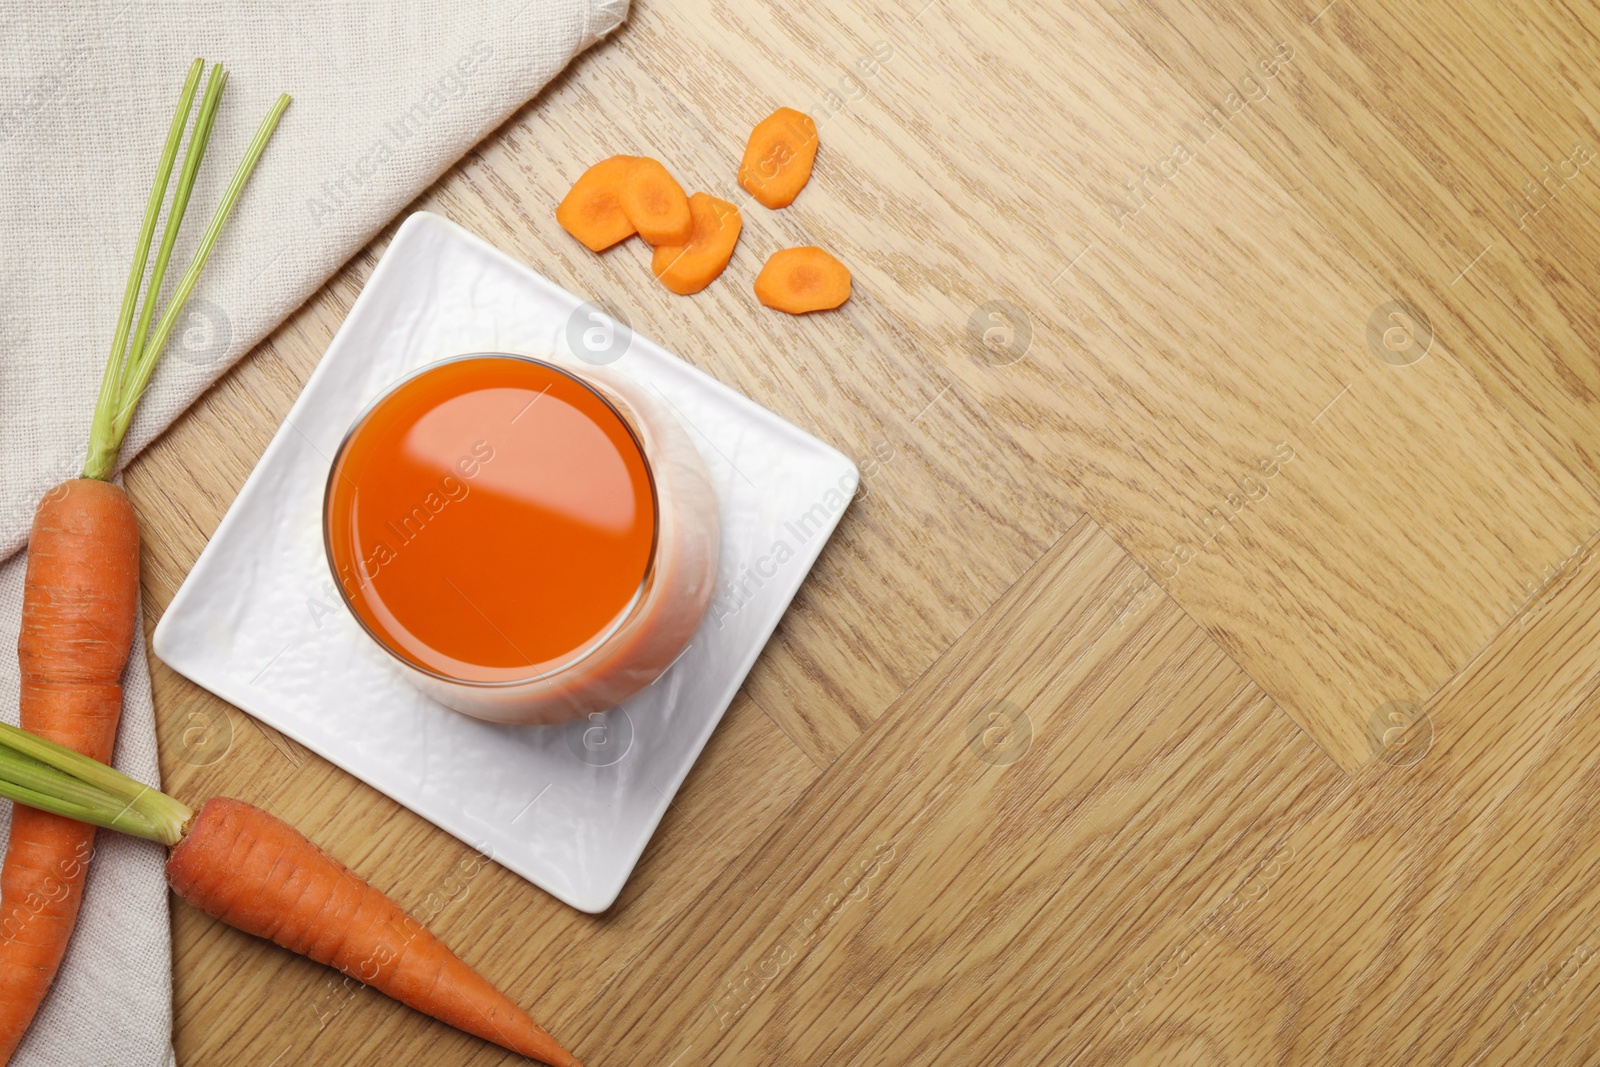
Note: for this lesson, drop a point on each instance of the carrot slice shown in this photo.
(798, 280)
(689, 268)
(655, 203)
(778, 157)
(591, 210)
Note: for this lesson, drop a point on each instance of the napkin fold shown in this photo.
(387, 95)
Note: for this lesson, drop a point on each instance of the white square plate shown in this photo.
(570, 808)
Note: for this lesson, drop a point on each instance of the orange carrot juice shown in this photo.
(491, 520)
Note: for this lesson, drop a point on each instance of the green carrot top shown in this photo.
(54, 778)
(134, 354)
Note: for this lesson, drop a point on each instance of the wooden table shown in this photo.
(1206, 672)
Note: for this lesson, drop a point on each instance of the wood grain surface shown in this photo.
(1208, 670)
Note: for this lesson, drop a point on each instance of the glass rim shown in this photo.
(595, 643)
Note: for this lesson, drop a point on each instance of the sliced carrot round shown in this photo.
(689, 268)
(591, 210)
(655, 203)
(798, 280)
(778, 157)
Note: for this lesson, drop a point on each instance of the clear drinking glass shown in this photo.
(467, 568)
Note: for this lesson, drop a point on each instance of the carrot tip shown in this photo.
(236, 865)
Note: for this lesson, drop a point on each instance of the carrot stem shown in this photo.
(110, 383)
(40, 786)
(198, 140)
(99, 794)
(140, 375)
(56, 806)
(133, 361)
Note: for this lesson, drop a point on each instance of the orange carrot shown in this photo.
(655, 204)
(778, 157)
(78, 605)
(255, 872)
(81, 589)
(798, 280)
(261, 875)
(689, 268)
(591, 211)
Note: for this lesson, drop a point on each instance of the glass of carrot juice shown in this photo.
(529, 543)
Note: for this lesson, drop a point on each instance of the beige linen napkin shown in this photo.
(387, 95)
